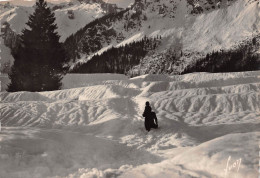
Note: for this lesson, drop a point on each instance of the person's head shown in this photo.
(147, 103)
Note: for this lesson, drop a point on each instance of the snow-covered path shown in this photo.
(204, 121)
(32, 152)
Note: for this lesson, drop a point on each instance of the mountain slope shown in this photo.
(192, 29)
(70, 17)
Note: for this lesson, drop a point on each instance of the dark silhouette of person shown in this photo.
(150, 117)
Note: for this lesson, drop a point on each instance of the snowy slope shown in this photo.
(70, 17)
(231, 25)
(209, 159)
(83, 14)
(224, 27)
(17, 16)
(97, 130)
(220, 28)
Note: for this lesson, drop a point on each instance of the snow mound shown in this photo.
(97, 129)
(216, 153)
(81, 80)
(203, 76)
(221, 157)
(153, 77)
(209, 100)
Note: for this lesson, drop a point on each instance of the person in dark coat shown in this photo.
(150, 117)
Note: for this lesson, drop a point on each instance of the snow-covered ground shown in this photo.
(208, 127)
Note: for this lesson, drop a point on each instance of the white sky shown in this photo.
(121, 3)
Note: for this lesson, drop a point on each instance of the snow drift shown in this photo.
(205, 121)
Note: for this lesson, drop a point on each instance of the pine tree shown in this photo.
(40, 58)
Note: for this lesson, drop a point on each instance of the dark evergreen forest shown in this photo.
(40, 58)
(242, 59)
(118, 60)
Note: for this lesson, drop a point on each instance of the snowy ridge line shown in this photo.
(168, 97)
(155, 86)
(229, 84)
(198, 107)
(233, 89)
(127, 90)
(211, 104)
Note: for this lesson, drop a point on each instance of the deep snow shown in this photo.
(206, 123)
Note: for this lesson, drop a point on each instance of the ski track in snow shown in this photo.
(97, 129)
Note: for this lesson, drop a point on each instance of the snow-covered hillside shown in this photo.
(195, 29)
(190, 28)
(207, 123)
(70, 17)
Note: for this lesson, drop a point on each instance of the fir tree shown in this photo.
(40, 58)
